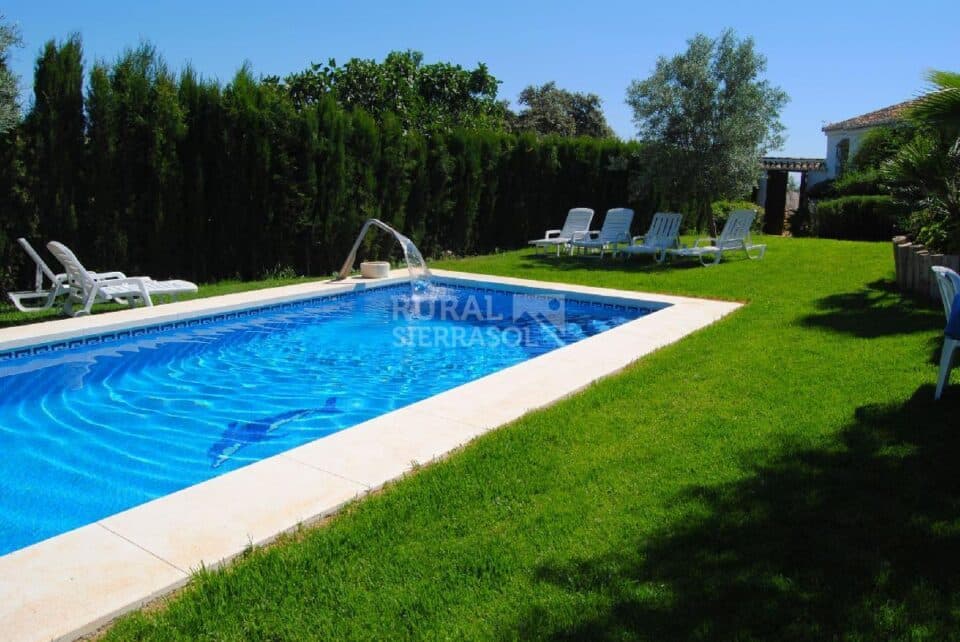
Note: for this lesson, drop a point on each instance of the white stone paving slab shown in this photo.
(76, 582)
(73, 583)
(211, 522)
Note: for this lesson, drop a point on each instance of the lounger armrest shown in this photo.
(705, 241)
(108, 276)
(137, 281)
(552, 234)
(593, 235)
(577, 236)
(634, 240)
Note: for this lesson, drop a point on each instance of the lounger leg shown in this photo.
(946, 360)
(763, 250)
(145, 296)
(87, 304)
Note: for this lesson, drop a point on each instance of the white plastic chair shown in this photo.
(734, 236)
(58, 283)
(87, 290)
(615, 230)
(949, 283)
(575, 227)
(664, 234)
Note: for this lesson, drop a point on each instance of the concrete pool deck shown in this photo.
(72, 584)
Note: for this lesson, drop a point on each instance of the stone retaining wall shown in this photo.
(913, 262)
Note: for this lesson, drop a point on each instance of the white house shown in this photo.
(844, 137)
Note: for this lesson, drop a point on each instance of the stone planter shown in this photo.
(374, 269)
(913, 262)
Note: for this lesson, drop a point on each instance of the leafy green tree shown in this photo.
(423, 96)
(709, 115)
(880, 144)
(549, 109)
(9, 109)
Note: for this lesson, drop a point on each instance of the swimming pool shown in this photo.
(92, 426)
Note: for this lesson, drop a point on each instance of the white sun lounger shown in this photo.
(664, 234)
(86, 290)
(615, 230)
(735, 236)
(58, 283)
(575, 227)
(949, 283)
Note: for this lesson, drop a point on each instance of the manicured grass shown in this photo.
(10, 316)
(783, 474)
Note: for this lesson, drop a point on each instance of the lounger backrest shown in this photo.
(949, 283)
(664, 229)
(737, 228)
(616, 225)
(42, 267)
(76, 273)
(578, 220)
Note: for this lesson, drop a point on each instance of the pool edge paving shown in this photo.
(74, 583)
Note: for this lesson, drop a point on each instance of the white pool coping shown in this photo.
(72, 584)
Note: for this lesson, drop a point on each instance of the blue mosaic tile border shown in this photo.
(119, 335)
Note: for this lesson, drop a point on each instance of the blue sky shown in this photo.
(835, 60)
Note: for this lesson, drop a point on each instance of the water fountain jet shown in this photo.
(419, 272)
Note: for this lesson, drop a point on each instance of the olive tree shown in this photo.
(708, 115)
(9, 110)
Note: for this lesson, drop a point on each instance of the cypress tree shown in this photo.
(17, 218)
(55, 139)
(332, 182)
(107, 236)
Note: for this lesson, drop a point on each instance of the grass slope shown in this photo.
(783, 474)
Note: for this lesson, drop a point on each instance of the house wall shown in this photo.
(855, 136)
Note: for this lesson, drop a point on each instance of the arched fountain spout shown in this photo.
(415, 263)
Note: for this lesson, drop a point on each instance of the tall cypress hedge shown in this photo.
(171, 174)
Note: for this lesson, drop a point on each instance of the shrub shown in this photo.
(879, 145)
(823, 189)
(935, 230)
(864, 182)
(721, 211)
(860, 218)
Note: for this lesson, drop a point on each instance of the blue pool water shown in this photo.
(91, 429)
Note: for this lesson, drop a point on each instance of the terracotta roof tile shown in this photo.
(883, 116)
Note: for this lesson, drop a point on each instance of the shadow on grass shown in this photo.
(874, 311)
(606, 264)
(859, 541)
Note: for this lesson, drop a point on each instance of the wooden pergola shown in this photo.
(777, 169)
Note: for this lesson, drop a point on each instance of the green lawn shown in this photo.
(783, 474)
